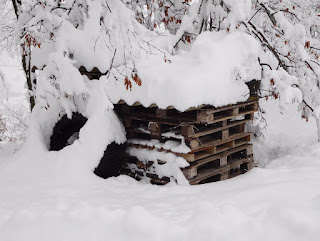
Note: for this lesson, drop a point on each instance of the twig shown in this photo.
(14, 114)
(2, 80)
(111, 63)
(263, 64)
(107, 6)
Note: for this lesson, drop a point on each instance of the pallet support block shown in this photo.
(250, 165)
(127, 123)
(225, 134)
(190, 172)
(187, 130)
(235, 111)
(224, 161)
(224, 123)
(249, 150)
(224, 176)
(204, 117)
(161, 113)
(155, 129)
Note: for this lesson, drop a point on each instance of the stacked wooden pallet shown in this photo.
(218, 143)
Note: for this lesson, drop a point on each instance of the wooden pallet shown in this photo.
(138, 175)
(220, 146)
(238, 167)
(217, 161)
(211, 115)
(217, 139)
(203, 115)
(205, 138)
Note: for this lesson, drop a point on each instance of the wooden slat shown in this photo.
(209, 130)
(210, 144)
(229, 107)
(219, 171)
(217, 161)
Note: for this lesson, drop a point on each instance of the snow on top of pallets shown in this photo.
(213, 72)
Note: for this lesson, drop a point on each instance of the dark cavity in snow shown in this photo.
(66, 131)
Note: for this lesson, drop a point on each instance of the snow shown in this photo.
(53, 196)
(212, 72)
(49, 195)
(171, 166)
(280, 202)
(174, 146)
(14, 110)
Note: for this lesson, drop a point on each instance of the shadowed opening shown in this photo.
(66, 131)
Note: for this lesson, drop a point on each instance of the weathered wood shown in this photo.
(223, 160)
(201, 116)
(235, 111)
(216, 136)
(155, 129)
(237, 140)
(218, 160)
(207, 144)
(204, 117)
(161, 113)
(224, 176)
(222, 172)
(190, 173)
(210, 108)
(225, 134)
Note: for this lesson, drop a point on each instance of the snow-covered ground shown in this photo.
(42, 198)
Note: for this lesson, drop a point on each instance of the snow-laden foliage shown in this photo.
(8, 38)
(66, 36)
(289, 34)
(13, 122)
(155, 14)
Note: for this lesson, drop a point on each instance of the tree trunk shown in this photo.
(318, 128)
(25, 58)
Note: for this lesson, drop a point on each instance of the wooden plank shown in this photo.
(191, 157)
(189, 132)
(221, 133)
(229, 117)
(235, 141)
(177, 120)
(154, 114)
(224, 176)
(190, 173)
(216, 161)
(210, 143)
(160, 113)
(204, 117)
(220, 171)
(223, 154)
(225, 134)
(155, 129)
(211, 110)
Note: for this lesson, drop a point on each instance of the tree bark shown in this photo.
(318, 128)
(25, 58)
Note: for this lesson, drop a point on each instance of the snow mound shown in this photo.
(213, 72)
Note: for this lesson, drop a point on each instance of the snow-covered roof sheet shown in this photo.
(213, 72)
